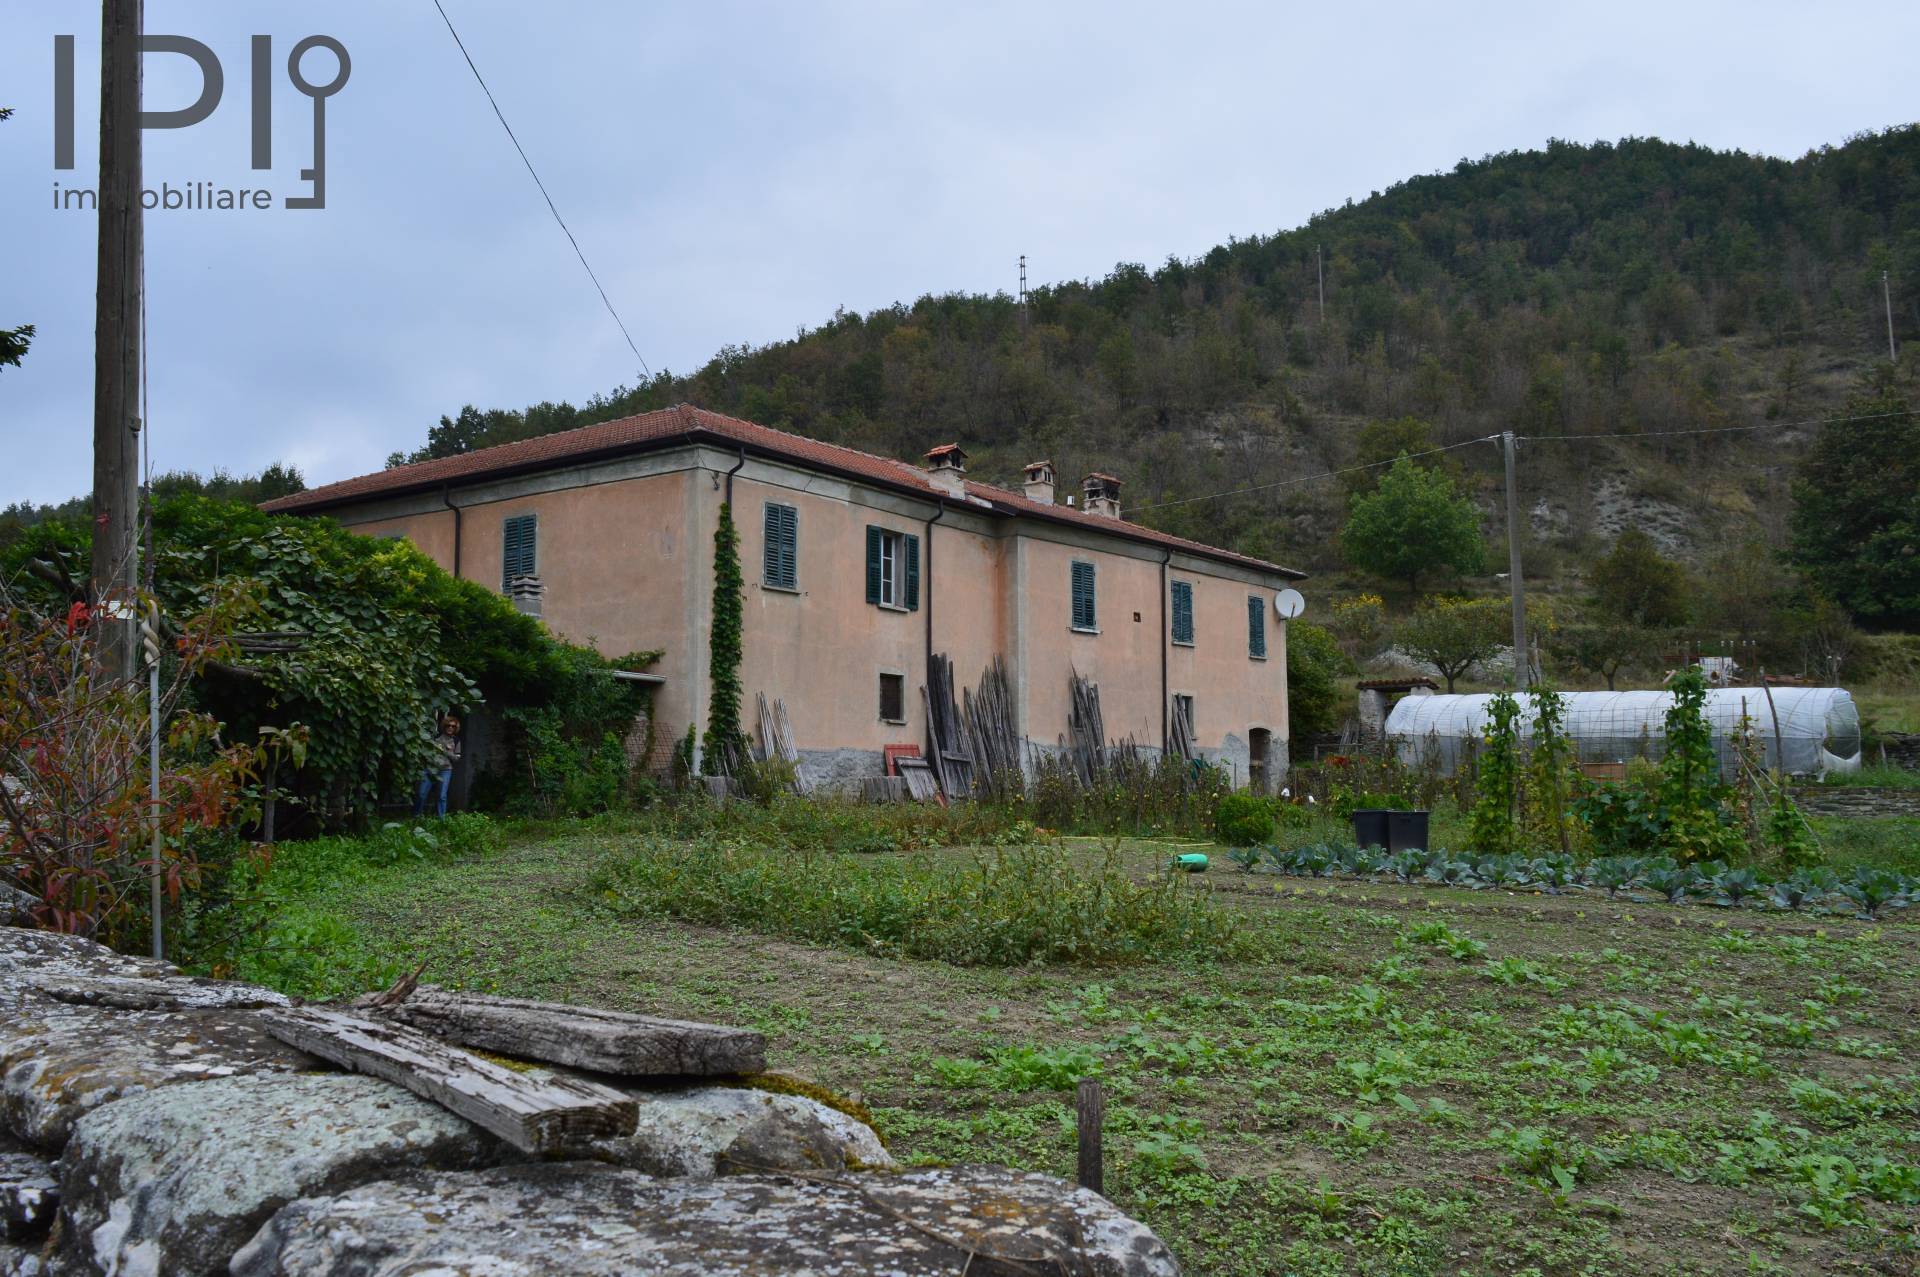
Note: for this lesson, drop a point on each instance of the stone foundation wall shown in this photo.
(151, 1124)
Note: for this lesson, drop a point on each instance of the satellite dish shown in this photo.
(1289, 604)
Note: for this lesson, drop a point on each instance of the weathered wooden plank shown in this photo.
(583, 1037)
(534, 1114)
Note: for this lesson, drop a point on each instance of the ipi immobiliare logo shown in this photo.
(204, 195)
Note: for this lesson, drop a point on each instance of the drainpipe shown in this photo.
(1166, 633)
(733, 472)
(446, 499)
(926, 586)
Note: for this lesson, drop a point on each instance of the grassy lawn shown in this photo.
(1393, 1080)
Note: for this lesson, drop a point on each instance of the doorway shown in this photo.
(1259, 741)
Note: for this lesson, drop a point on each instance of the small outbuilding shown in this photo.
(1808, 731)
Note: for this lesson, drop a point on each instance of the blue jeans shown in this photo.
(445, 778)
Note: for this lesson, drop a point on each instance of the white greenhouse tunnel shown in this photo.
(1807, 731)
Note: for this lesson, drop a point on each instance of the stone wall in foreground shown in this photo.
(149, 1126)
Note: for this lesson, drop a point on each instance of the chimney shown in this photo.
(1039, 483)
(528, 594)
(1102, 493)
(947, 467)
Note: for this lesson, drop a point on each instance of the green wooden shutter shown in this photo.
(913, 573)
(781, 553)
(873, 564)
(517, 537)
(1183, 611)
(1085, 614)
(790, 546)
(1256, 626)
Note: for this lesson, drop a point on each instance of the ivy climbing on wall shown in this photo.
(724, 747)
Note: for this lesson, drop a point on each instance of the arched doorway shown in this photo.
(1259, 742)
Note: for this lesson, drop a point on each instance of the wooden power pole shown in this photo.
(116, 331)
(1521, 670)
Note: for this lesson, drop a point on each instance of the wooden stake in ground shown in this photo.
(1090, 1113)
(534, 1114)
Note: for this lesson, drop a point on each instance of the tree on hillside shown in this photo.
(1602, 646)
(1382, 441)
(1856, 505)
(1454, 635)
(1636, 585)
(1415, 523)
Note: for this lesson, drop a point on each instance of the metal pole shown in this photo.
(1520, 662)
(1886, 294)
(152, 646)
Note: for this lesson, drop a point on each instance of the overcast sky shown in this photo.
(736, 171)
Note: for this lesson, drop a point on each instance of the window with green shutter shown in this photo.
(1257, 627)
(893, 569)
(1086, 615)
(1183, 612)
(781, 556)
(517, 548)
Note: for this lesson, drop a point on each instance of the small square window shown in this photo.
(893, 698)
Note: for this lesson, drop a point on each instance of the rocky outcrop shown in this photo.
(58, 1061)
(172, 1133)
(177, 1179)
(591, 1220)
(725, 1130)
(28, 1195)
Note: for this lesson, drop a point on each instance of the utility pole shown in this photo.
(1520, 661)
(1320, 277)
(1023, 292)
(116, 333)
(1886, 295)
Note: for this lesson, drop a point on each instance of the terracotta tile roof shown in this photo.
(684, 423)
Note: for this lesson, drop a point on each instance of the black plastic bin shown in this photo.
(1371, 827)
(1407, 830)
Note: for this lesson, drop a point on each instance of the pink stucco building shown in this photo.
(857, 568)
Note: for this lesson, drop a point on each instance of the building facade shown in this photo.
(858, 568)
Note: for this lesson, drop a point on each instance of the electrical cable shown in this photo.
(1618, 434)
(1309, 478)
(498, 114)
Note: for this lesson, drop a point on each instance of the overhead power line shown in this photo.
(1715, 430)
(1616, 434)
(499, 115)
(1309, 478)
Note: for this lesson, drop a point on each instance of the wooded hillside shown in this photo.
(1638, 286)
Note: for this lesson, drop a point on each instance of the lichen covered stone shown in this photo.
(29, 1197)
(175, 1180)
(592, 1220)
(719, 1130)
(59, 1061)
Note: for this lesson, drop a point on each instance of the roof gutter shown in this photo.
(926, 584)
(695, 434)
(446, 498)
(1166, 633)
(736, 470)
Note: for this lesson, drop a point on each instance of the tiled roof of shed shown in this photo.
(665, 427)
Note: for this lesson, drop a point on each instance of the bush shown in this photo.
(1013, 907)
(1241, 820)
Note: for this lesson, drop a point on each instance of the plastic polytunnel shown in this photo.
(1804, 730)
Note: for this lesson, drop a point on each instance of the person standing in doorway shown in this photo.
(447, 743)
